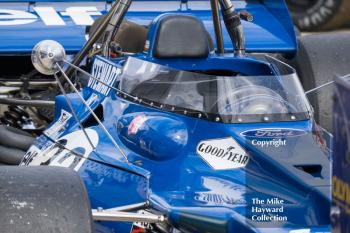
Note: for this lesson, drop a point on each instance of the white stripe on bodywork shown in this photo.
(49, 16)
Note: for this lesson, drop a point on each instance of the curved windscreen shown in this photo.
(228, 99)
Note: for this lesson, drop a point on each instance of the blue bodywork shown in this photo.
(271, 30)
(164, 168)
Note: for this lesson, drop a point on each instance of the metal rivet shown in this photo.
(161, 106)
(293, 117)
(239, 119)
(172, 108)
(266, 119)
(199, 115)
(140, 100)
(217, 119)
(151, 103)
(185, 112)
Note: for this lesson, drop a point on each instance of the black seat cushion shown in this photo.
(181, 36)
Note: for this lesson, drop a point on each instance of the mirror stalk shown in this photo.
(217, 26)
(119, 8)
(233, 25)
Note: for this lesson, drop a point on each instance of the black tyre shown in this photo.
(312, 15)
(43, 199)
(322, 57)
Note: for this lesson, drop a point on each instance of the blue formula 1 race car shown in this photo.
(176, 137)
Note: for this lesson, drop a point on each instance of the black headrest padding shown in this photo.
(181, 36)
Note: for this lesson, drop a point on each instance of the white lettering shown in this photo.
(82, 15)
(106, 73)
(274, 142)
(49, 16)
(14, 17)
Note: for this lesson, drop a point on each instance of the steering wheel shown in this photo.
(253, 99)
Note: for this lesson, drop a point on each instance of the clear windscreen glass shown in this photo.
(228, 99)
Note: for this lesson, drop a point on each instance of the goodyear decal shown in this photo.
(222, 154)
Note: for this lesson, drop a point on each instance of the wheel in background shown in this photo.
(320, 58)
(314, 15)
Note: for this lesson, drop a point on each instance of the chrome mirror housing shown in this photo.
(45, 56)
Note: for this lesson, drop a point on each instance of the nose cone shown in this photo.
(45, 56)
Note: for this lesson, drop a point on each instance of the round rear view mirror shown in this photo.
(46, 55)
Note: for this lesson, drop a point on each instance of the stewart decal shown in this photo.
(223, 154)
(106, 73)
